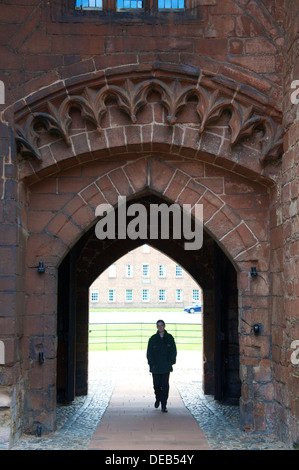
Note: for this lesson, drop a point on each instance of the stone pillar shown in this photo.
(12, 249)
(285, 247)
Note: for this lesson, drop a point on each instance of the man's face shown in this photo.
(160, 327)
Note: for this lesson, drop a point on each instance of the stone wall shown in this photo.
(189, 109)
(285, 243)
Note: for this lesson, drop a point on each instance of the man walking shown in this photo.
(161, 355)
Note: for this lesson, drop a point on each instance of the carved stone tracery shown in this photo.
(132, 96)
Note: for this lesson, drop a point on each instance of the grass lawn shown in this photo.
(108, 337)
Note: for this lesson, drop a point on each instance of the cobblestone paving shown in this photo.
(221, 423)
(77, 422)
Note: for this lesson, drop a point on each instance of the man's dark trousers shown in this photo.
(161, 387)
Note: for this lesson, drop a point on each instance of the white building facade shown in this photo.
(144, 278)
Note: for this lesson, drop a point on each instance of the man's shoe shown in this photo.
(164, 409)
(157, 403)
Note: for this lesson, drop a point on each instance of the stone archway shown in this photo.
(58, 223)
(190, 139)
(208, 266)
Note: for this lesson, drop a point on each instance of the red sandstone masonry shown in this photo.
(62, 227)
(212, 204)
(175, 185)
(90, 193)
(81, 214)
(237, 42)
(137, 174)
(107, 188)
(191, 193)
(205, 154)
(220, 224)
(163, 178)
(118, 137)
(121, 182)
(29, 38)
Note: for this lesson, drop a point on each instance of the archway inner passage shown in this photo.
(208, 266)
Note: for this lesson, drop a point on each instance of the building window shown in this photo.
(129, 270)
(195, 295)
(111, 295)
(89, 4)
(171, 4)
(122, 11)
(112, 271)
(129, 295)
(94, 297)
(125, 5)
(145, 270)
(178, 271)
(162, 270)
(145, 295)
(162, 295)
(179, 295)
(129, 4)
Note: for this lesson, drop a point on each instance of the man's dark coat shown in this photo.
(161, 353)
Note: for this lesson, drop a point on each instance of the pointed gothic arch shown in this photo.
(180, 136)
(89, 257)
(61, 214)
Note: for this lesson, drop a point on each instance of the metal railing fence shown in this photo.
(133, 336)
